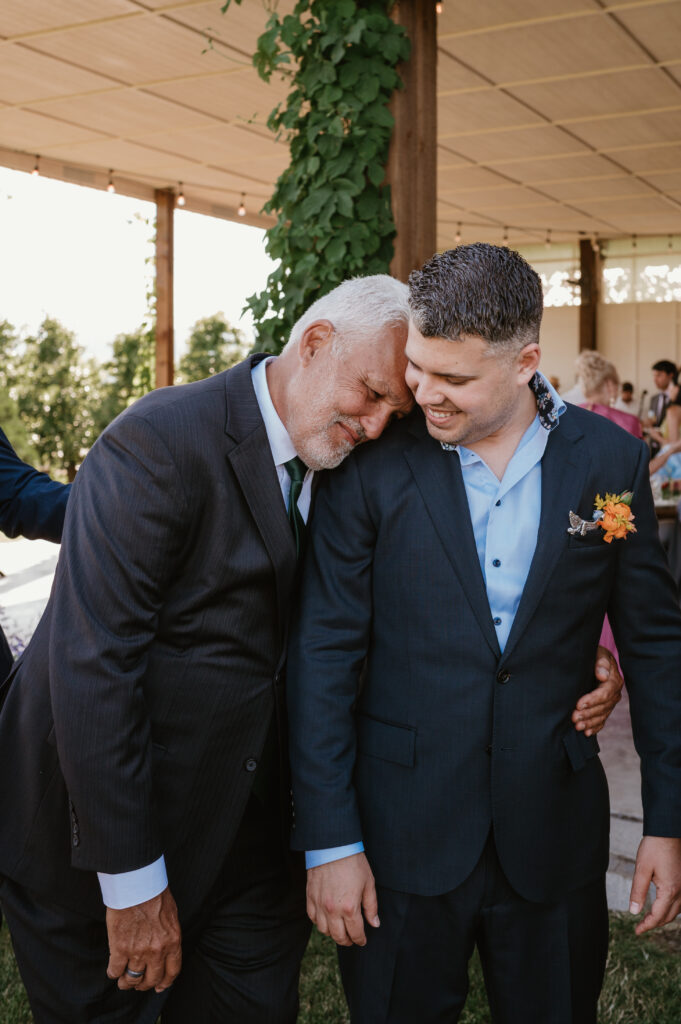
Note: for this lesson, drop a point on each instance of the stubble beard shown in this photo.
(320, 451)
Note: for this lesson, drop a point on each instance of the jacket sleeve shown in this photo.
(646, 621)
(327, 650)
(30, 503)
(121, 543)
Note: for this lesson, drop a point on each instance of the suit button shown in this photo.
(76, 839)
(250, 764)
(503, 676)
(488, 749)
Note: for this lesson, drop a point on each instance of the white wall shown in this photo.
(633, 335)
(560, 343)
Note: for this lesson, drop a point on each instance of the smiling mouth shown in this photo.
(437, 416)
(351, 436)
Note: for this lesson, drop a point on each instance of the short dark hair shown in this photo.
(627, 386)
(665, 366)
(479, 289)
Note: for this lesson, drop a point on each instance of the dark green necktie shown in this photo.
(296, 469)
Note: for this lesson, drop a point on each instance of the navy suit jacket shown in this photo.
(30, 504)
(446, 737)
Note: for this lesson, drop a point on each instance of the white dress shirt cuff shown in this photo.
(129, 888)
(313, 858)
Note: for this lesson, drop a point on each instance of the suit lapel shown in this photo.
(440, 482)
(251, 460)
(563, 471)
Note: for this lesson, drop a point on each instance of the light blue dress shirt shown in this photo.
(505, 516)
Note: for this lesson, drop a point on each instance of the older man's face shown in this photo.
(349, 397)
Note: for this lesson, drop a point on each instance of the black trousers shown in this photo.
(543, 963)
(241, 959)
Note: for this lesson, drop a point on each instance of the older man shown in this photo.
(468, 561)
(140, 742)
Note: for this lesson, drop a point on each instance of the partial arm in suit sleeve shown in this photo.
(327, 650)
(121, 544)
(31, 503)
(646, 621)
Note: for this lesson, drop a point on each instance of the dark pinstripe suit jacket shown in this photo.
(131, 723)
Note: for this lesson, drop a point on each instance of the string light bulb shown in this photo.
(505, 238)
(634, 242)
(670, 241)
(180, 195)
(36, 169)
(457, 236)
(547, 241)
(111, 187)
(242, 206)
(438, 8)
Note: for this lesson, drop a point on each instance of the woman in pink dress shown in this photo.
(599, 382)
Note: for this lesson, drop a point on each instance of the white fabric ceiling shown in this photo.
(553, 115)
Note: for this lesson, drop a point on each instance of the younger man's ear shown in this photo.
(315, 336)
(528, 361)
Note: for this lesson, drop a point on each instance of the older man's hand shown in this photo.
(145, 938)
(594, 708)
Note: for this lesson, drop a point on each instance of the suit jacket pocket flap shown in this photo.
(394, 743)
(580, 748)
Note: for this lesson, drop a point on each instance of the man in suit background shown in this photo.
(441, 559)
(31, 505)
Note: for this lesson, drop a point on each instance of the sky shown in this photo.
(85, 257)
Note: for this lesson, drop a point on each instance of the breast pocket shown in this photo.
(594, 540)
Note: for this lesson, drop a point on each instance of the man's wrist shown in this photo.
(129, 888)
(315, 858)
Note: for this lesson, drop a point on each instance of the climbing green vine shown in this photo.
(334, 218)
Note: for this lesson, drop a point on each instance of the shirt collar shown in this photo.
(550, 406)
(280, 443)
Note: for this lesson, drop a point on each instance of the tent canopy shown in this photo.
(560, 116)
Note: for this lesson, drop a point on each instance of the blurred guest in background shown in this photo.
(663, 423)
(599, 382)
(30, 504)
(625, 402)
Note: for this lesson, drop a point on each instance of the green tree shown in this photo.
(10, 420)
(128, 375)
(214, 345)
(56, 389)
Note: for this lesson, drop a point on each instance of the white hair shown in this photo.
(359, 309)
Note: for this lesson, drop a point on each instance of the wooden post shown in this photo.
(165, 209)
(411, 171)
(589, 265)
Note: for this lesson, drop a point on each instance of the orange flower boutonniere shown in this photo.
(616, 518)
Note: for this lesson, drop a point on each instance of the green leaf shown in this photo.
(368, 88)
(345, 204)
(376, 173)
(335, 250)
(315, 201)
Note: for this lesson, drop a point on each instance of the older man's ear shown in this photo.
(594, 708)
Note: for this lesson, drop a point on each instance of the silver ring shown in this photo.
(134, 974)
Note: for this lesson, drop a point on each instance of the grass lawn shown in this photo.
(642, 985)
